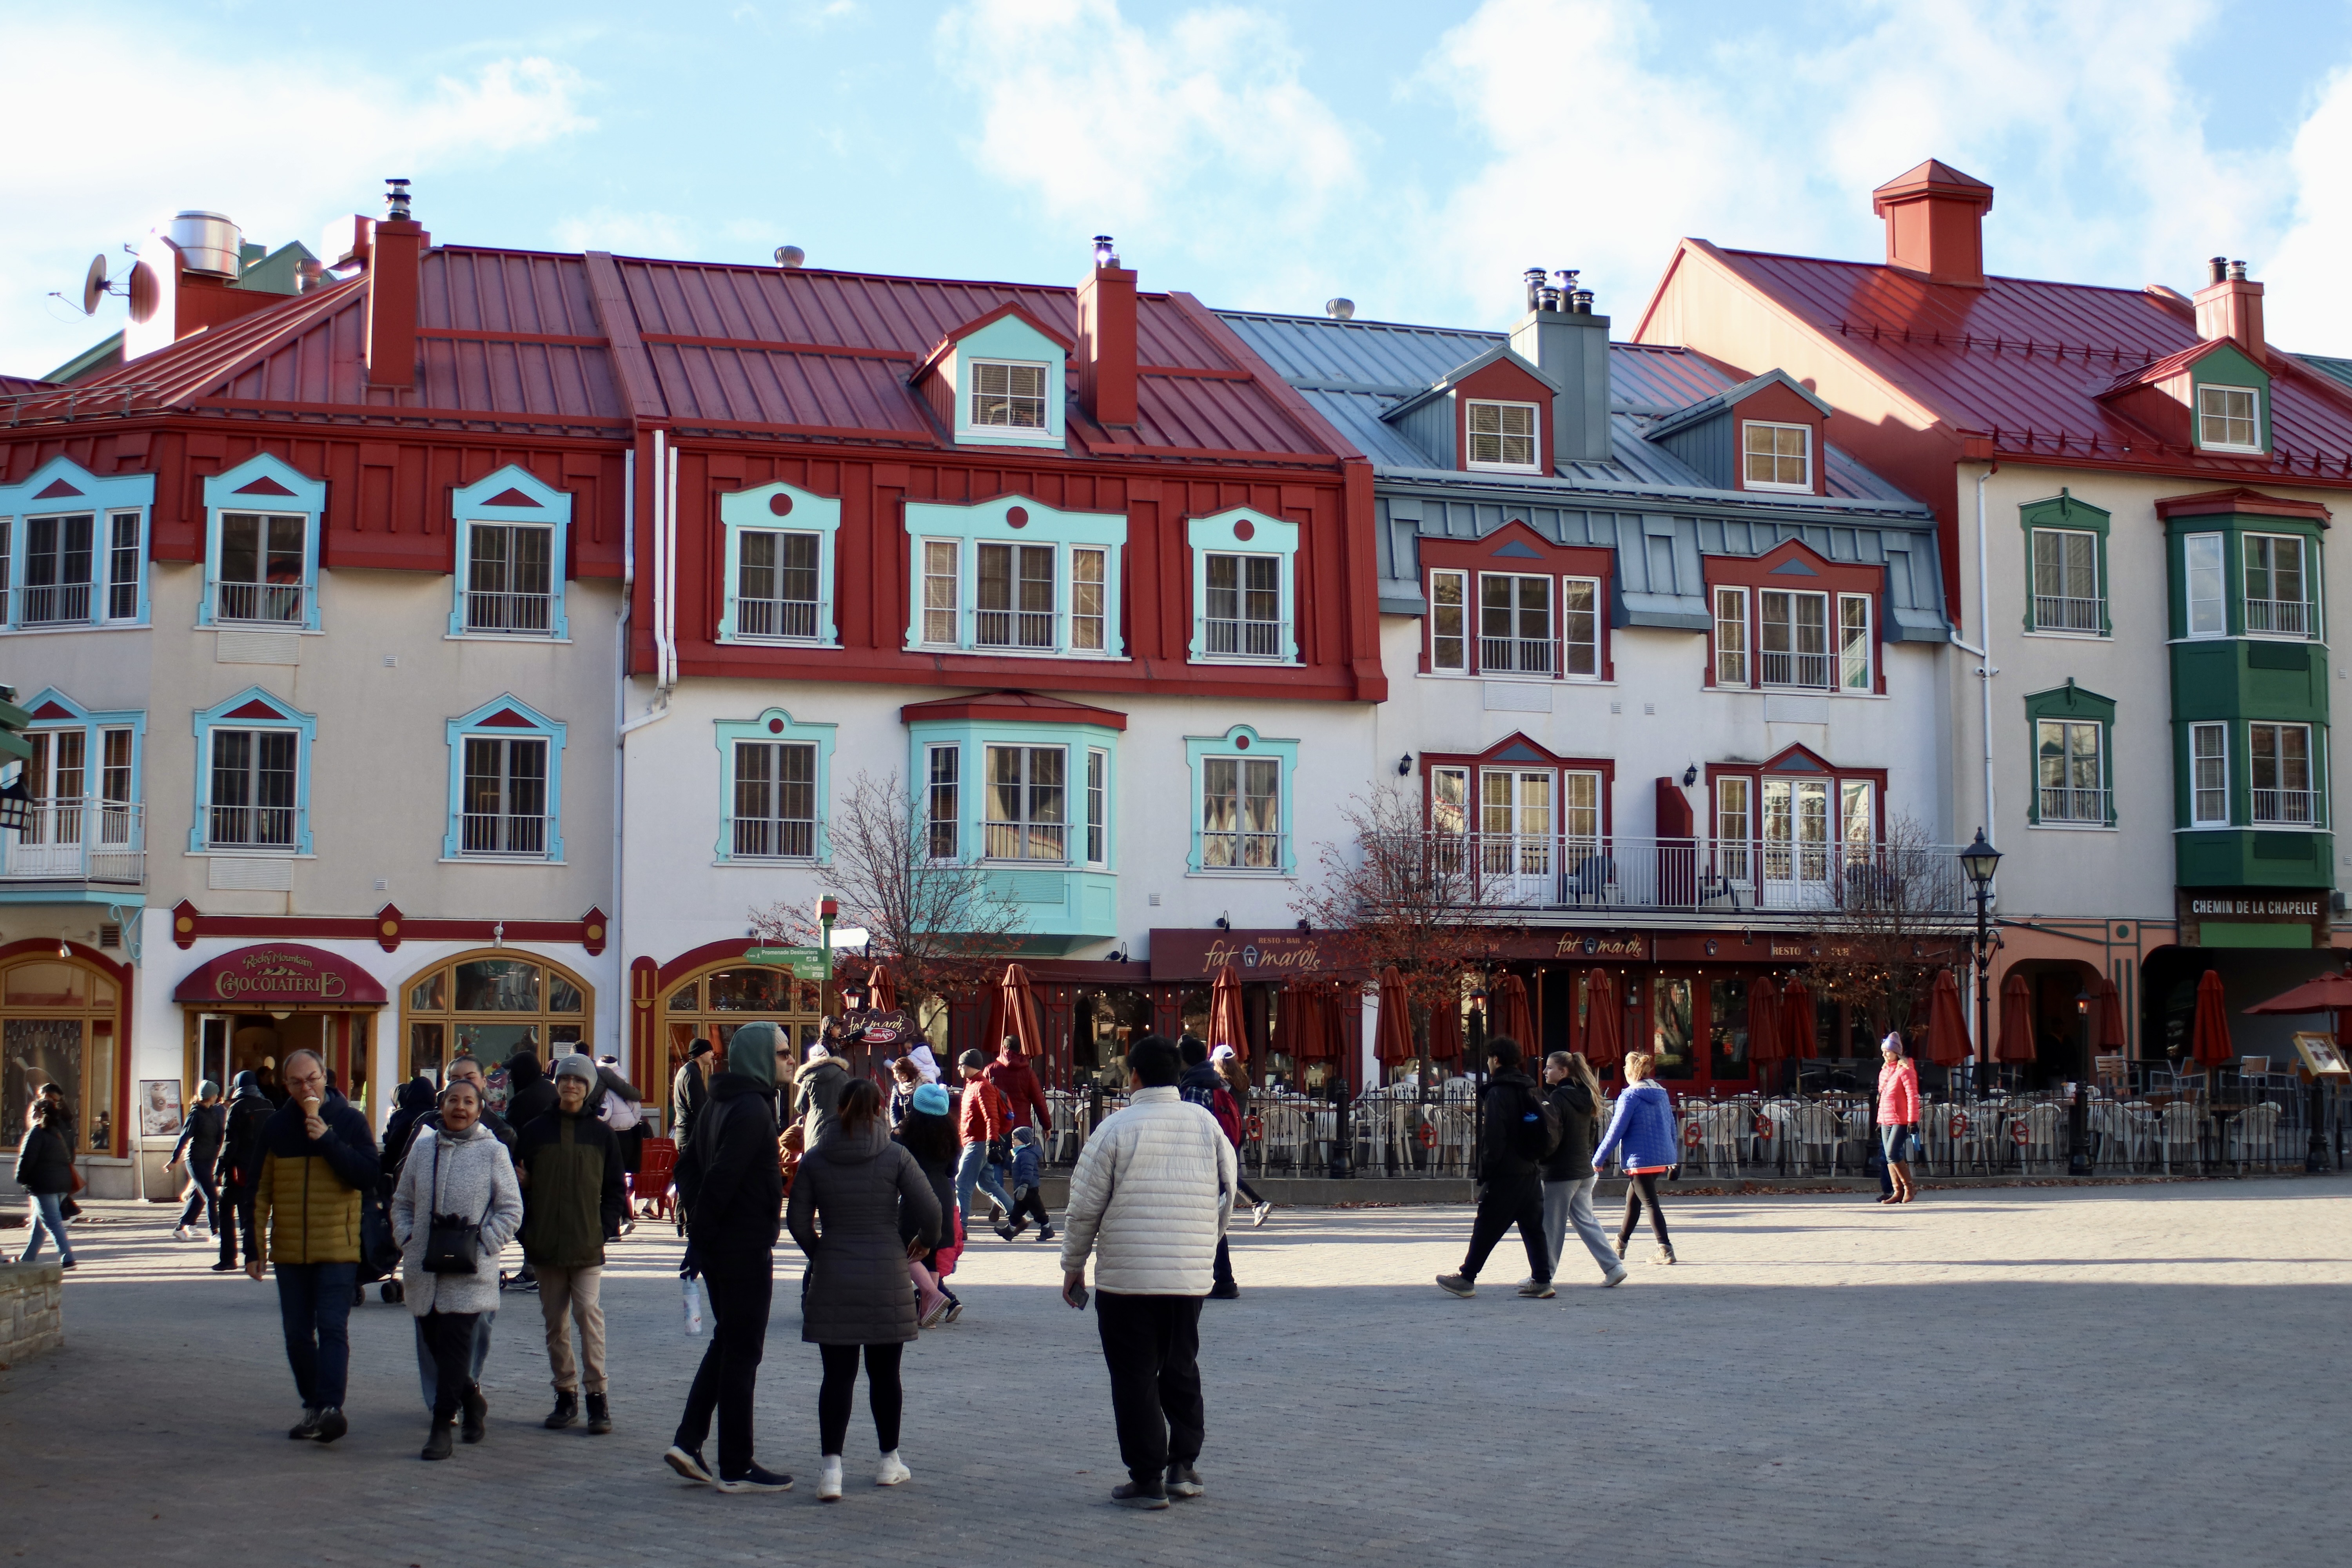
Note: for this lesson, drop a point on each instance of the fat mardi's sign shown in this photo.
(281, 974)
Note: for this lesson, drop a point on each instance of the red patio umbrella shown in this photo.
(881, 990)
(1508, 1003)
(2016, 1042)
(1225, 1025)
(1393, 1032)
(1947, 1028)
(1445, 1028)
(2108, 1020)
(2209, 1041)
(1305, 1031)
(1797, 1024)
(1016, 1013)
(1764, 1041)
(2328, 994)
(1604, 1021)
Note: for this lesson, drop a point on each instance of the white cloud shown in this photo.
(2306, 304)
(628, 233)
(281, 143)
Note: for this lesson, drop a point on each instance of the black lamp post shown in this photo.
(1980, 861)
(2078, 1114)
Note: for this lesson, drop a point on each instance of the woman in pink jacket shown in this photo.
(1898, 1116)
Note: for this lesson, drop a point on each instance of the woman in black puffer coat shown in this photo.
(844, 1215)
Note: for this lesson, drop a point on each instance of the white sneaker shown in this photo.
(828, 1481)
(1616, 1276)
(180, 1234)
(1258, 1215)
(892, 1471)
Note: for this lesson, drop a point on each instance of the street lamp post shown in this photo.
(828, 910)
(2078, 1114)
(1980, 861)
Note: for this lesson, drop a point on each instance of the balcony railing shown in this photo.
(501, 836)
(1525, 873)
(1810, 669)
(771, 839)
(2073, 804)
(1518, 655)
(233, 827)
(2297, 807)
(266, 603)
(83, 840)
(1014, 628)
(2291, 617)
(1241, 851)
(519, 614)
(775, 617)
(53, 604)
(1245, 639)
(2057, 613)
(1043, 843)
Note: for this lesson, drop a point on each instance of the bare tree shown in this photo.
(931, 914)
(1893, 915)
(1398, 894)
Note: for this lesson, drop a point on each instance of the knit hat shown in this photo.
(819, 1052)
(576, 1065)
(207, 1090)
(971, 1060)
(931, 1099)
(1024, 1134)
(698, 1048)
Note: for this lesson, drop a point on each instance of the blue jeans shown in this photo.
(49, 1209)
(429, 1376)
(1569, 1204)
(315, 1301)
(972, 1169)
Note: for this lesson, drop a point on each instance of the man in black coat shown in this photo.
(734, 1193)
(198, 1152)
(688, 1090)
(529, 1094)
(239, 1167)
(1510, 1186)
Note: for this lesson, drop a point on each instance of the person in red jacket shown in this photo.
(1011, 1073)
(984, 1117)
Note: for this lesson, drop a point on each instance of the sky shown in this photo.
(1412, 157)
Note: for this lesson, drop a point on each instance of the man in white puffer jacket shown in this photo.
(1152, 1194)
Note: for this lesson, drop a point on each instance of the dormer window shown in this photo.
(1008, 395)
(2229, 420)
(1501, 436)
(1776, 456)
(998, 381)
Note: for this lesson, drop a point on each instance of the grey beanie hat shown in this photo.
(576, 1064)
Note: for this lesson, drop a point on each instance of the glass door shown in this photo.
(1796, 842)
(1515, 823)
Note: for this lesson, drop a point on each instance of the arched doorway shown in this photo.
(490, 1005)
(60, 1022)
(712, 1002)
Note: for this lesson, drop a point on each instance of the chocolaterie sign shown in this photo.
(280, 975)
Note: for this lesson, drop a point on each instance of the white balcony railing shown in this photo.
(1518, 655)
(1245, 639)
(771, 839)
(517, 615)
(1809, 669)
(2288, 807)
(235, 828)
(2060, 805)
(501, 836)
(80, 841)
(53, 604)
(2291, 617)
(1014, 628)
(775, 617)
(258, 604)
(1241, 851)
(1046, 843)
(2057, 613)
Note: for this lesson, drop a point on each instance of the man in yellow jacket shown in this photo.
(318, 1158)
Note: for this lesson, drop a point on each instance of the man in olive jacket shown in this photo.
(570, 1164)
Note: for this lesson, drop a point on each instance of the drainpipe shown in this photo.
(613, 926)
(1985, 670)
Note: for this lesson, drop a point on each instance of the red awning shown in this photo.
(280, 975)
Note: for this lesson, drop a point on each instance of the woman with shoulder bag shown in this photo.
(45, 1169)
(1898, 1116)
(456, 1207)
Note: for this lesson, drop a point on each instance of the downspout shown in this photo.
(620, 727)
(1985, 670)
(665, 495)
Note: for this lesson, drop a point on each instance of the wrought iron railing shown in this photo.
(2291, 617)
(1013, 628)
(1534, 871)
(250, 826)
(53, 604)
(2299, 807)
(773, 838)
(499, 835)
(2067, 804)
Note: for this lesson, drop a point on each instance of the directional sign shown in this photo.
(805, 962)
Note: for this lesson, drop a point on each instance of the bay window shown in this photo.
(2276, 589)
(1795, 642)
(2208, 776)
(943, 802)
(1027, 818)
(2279, 757)
(2201, 563)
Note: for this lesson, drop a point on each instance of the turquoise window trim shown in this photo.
(307, 499)
(1198, 748)
(2069, 513)
(774, 725)
(106, 497)
(1010, 339)
(90, 721)
(972, 739)
(470, 504)
(1221, 533)
(808, 512)
(286, 715)
(2077, 704)
(989, 523)
(456, 731)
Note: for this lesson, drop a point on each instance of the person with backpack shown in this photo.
(1228, 1063)
(1642, 1135)
(1202, 1085)
(240, 1168)
(198, 1153)
(1568, 1179)
(1521, 1130)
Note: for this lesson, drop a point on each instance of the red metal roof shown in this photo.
(2023, 362)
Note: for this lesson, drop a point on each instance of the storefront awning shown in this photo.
(280, 975)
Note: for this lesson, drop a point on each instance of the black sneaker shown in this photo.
(1458, 1284)
(477, 1415)
(689, 1462)
(1046, 1233)
(307, 1428)
(436, 1442)
(756, 1479)
(331, 1424)
(1004, 1232)
(1225, 1291)
(1184, 1481)
(223, 1267)
(566, 1411)
(1139, 1494)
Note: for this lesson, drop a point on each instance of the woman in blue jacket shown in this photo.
(1642, 1135)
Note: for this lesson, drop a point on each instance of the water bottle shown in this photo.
(693, 1309)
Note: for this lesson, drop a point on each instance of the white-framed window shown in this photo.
(512, 531)
(1795, 649)
(2201, 556)
(2277, 584)
(1731, 636)
(2208, 776)
(1735, 826)
(1776, 456)
(942, 592)
(779, 542)
(1089, 599)
(1000, 380)
(775, 800)
(1015, 577)
(57, 588)
(1855, 817)
(2228, 418)
(777, 570)
(85, 817)
(1245, 610)
(73, 549)
(1580, 627)
(1501, 436)
(503, 813)
(1097, 806)
(1008, 394)
(261, 548)
(1449, 622)
(2066, 596)
(1853, 642)
(2279, 760)
(1014, 607)
(1449, 801)
(1028, 803)
(943, 802)
(1241, 813)
(2070, 769)
(1245, 587)
(253, 777)
(1579, 806)
(1514, 624)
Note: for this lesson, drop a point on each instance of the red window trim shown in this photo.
(1759, 572)
(1779, 766)
(1547, 560)
(1544, 758)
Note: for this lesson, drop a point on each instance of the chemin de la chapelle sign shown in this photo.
(2291, 908)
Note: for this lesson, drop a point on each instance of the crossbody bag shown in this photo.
(453, 1244)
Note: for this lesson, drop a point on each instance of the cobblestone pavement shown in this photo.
(2143, 1375)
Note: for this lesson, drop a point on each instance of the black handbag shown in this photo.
(453, 1244)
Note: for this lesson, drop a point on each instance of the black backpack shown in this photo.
(1536, 1134)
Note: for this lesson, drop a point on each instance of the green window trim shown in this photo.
(2072, 704)
(2232, 528)
(2068, 513)
(2224, 366)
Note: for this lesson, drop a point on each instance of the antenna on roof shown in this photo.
(93, 285)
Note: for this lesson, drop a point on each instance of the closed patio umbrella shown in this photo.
(1225, 1025)
(1445, 1028)
(2016, 1043)
(1306, 1032)
(2108, 1017)
(1017, 1012)
(1512, 1017)
(881, 990)
(1393, 1030)
(1764, 1041)
(2209, 1041)
(1798, 1030)
(1947, 1028)
(1605, 1022)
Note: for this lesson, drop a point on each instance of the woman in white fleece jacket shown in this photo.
(1149, 1198)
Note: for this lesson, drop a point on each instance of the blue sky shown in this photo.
(1415, 157)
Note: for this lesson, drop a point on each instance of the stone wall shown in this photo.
(32, 1319)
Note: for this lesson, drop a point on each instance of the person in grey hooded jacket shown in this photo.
(861, 1206)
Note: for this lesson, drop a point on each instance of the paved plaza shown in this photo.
(2141, 1374)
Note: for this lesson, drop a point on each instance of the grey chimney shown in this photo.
(1562, 336)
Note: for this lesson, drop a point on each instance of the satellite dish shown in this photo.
(146, 294)
(93, 285)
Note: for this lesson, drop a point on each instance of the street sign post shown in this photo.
(805, 962)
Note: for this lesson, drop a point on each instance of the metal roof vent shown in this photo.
(1106, 253)
(1342, 310)
(208, 242)
(396, 200)
(789, 257)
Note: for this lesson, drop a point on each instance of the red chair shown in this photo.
(657, 1163)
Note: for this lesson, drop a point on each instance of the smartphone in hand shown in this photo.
(1073, 1291)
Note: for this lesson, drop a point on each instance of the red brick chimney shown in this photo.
(1106, 340)
(394, 285)
(2231, 307)
(1935, 221)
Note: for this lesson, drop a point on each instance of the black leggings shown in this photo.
(450, 1337)
(1248, 1191)
(840, 1387)
(1638, 1187)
